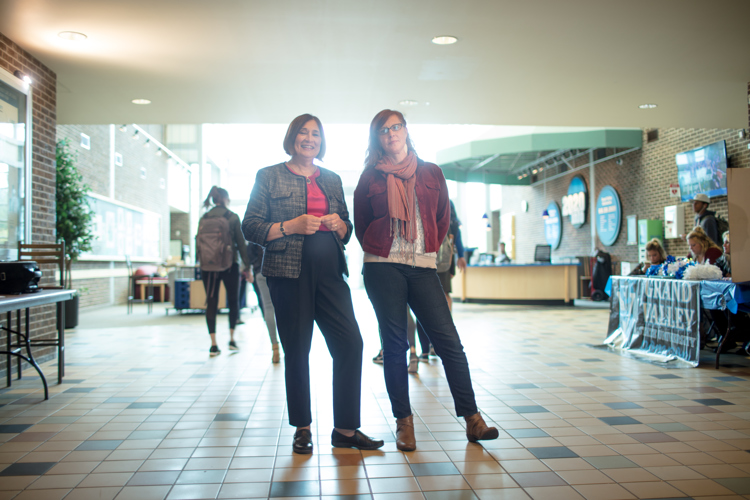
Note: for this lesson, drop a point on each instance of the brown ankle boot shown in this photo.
(477, 430)
(405, 440)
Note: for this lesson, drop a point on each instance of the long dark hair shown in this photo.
(217, 196)
(293, 130)
(374, 149)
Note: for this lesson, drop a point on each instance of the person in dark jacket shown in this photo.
(298, 214)
(705, 218)
(401, 215)
(231, 277)
(725, 261)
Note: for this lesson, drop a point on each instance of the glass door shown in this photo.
(15, 118)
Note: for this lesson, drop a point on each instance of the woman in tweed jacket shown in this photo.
(298, 214)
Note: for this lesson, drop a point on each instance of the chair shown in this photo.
(543, 253)
(45, 254)
(145, 298)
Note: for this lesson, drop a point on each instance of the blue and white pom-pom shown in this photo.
(703, 272)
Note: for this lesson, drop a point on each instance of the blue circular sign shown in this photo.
(608, 215)
(553, 225)
(575, 203)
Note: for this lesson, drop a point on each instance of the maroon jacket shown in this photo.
(372, 224)
(712, 255)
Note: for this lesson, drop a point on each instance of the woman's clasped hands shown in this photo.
(310, 224)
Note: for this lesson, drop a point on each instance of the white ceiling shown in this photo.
(532, 62)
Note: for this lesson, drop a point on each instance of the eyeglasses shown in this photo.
(394, 128)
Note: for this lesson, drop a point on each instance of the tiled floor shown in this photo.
(145, 414)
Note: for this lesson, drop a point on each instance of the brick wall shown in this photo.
(44, 106)
(92, 163)
(130, 187)
(180, 228)
(642, 181)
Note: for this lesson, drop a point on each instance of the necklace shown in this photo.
(295, 169)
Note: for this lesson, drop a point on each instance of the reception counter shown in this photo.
(517, 283)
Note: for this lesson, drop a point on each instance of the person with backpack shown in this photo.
(707, 219)
(401, 216)
(297, 212)
(218, 245)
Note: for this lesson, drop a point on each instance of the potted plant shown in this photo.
(74, 218)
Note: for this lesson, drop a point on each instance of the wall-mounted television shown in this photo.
(703, 170)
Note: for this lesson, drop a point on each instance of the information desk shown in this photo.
(518, 282)
(661, 316)
(18, 337)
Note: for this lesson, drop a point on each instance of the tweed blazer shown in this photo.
(279, 196)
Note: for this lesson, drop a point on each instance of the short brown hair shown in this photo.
(374, 149)
(655, 245)
(296, 126)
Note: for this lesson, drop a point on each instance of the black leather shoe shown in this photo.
(358, 440)
(302, 443)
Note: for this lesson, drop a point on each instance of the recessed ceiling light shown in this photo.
(141, 101)
(408, 102)
(647, 106)
(72, 36)
(444, 40)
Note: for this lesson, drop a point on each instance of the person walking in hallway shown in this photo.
(260, 285)
(218, 249)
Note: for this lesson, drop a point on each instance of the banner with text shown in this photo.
(656, 316)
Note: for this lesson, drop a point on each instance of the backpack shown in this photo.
(214, 243)
(600, 275)
(445, 254)
(722, 225)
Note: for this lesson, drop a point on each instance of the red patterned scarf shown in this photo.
(400, 182)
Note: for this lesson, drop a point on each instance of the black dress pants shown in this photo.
(320, 295)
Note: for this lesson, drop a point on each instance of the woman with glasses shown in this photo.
(298, 214)
(401, 215)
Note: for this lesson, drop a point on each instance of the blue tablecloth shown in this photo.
(716, 294)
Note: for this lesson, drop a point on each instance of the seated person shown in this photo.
(725, 261)
(502, 257)
(702, 249)
(656, 256)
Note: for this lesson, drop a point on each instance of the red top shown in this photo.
(317, 203)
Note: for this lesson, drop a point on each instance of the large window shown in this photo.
(15, 141)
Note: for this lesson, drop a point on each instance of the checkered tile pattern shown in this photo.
(146, 414)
